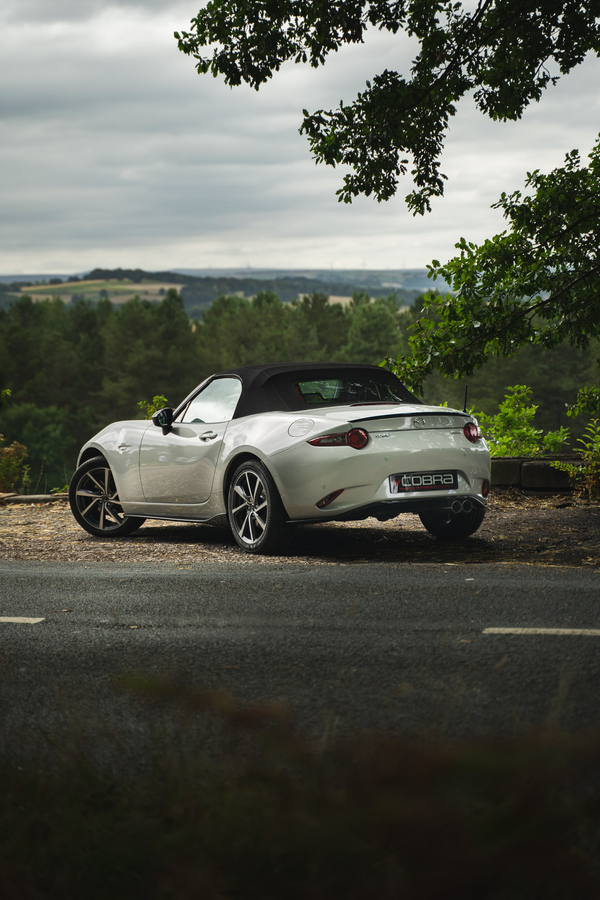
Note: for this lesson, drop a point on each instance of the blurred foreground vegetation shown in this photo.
(74, 367)
(272, 815)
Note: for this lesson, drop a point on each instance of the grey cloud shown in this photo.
(44, 11)
(117, 152)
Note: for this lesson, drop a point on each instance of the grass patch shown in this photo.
(272, 815)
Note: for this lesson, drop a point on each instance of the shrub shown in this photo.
(12, 466)
(52, 435)
(149, 407)
(586, 478)
(511, 432)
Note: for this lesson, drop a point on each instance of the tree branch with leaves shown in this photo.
(536, 283)
(500, 52)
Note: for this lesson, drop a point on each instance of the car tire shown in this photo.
(450, 526)
(256, 515)
(95, 502)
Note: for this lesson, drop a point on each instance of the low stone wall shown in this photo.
(532, 474)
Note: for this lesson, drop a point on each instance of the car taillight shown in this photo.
(357, 438)
(485, 487)
(330, 440)
(472, 432)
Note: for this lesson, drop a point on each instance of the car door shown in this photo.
(179, 467)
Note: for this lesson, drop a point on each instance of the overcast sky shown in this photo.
(114, 152)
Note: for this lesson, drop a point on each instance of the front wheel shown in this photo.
(451, 526)
(95, 502)
(256, 514)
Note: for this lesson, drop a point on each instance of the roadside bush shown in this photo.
(52, 436)
(586, 477)
(149, 407)
(13, 468)
(511, 431)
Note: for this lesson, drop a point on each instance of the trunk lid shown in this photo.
(397, 417)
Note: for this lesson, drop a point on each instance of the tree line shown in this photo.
(74, 367)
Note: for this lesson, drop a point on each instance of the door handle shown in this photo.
(208, 436)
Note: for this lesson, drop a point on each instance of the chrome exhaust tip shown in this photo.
(459, 506)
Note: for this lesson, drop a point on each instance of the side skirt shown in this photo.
(213, 520)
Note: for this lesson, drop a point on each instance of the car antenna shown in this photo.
(466, 394)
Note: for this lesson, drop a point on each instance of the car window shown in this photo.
(216, 403)
(346, 390)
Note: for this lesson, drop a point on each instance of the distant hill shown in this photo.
(199, 287)
(199, 290)
(402, 279)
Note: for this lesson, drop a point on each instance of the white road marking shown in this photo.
(594, 632)
(20, 620)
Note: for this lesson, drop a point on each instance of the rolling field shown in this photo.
(113, 290)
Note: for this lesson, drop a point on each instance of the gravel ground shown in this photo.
(539, 530)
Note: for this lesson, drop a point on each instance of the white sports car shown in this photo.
(265, 447)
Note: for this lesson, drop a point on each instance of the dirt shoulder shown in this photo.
(518, 528)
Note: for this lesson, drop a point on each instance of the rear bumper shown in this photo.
(389, 509)
(305, 475)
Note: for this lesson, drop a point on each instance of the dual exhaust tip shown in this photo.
(459, 506)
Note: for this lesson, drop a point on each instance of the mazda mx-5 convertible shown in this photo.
(266, 447)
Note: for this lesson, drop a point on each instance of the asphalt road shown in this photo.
(345, 647)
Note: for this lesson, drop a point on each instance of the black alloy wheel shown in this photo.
(95, 502)
(256, 514)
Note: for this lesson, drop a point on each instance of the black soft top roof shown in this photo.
(269, 388)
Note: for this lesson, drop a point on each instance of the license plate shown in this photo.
(423, 481)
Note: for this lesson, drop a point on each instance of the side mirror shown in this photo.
(163, 419)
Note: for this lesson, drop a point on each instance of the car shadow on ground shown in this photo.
(542, 536)
(539, 532)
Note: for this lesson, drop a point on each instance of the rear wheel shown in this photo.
(451, 526)
(256, 514)
(95, 502)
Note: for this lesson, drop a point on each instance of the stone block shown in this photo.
(506, 471)
(538, 475)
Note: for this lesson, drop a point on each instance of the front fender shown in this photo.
(119, 444)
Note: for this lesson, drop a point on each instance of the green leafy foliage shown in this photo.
(52, 435)
(587, 402)
(511, 432)
(586, 477)
(554, 375)
(147, 349)
(536, 284)
(149, 407)
(499, 52)
(373, 329)
(14, 471)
